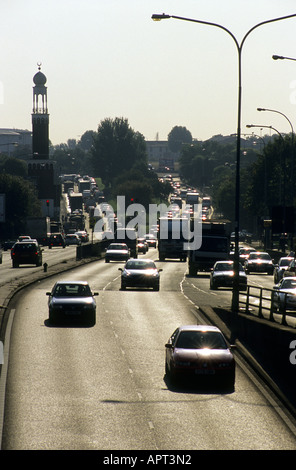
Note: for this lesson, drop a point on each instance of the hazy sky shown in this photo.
(107, 59)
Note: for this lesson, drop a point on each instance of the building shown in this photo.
(12, 138)
(159, 153)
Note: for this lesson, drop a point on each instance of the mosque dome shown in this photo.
(39, 78)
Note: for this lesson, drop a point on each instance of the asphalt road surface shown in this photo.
(104, 388)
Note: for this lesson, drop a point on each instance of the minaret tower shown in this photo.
(40, 117)
(42, 169)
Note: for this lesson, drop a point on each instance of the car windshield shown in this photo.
(264, 256)
(226, 267)
(285, 262)
(72, 290)
(200, 340)
(140, 264)
(288, 284)
(115, 246)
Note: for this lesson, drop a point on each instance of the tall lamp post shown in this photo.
(282, 196)
(239, 47)
(292, 144)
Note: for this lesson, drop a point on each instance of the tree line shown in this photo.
(116, 154)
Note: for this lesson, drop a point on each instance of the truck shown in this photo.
(171, 238)
(75, 201)
(193, 198)
(215, 246)
(38, 228)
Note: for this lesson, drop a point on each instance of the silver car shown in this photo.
(284, 295)
(222, 275)
(280, 268)
(72, 300)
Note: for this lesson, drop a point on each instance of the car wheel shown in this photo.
(123, 287)
(156, 288)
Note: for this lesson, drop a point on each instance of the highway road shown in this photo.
(104, 388)
(53, 256)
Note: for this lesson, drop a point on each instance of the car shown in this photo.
(71, 301)
(72, 239)
(142, 246)
(8, 244)
(151, 240)
(280, 268)
(117, 252)
(222, 275)
(244, 253)
(56, 239)
(23, 238)
(27, 252)
(291, 269)
(284, 294)
(83, 235)
(259, 262)
(140, 273)
(199, 352)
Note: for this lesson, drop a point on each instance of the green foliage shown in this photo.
(21, 201)
(140, 185)
(13, 166)
(116, 148)
(177, 137)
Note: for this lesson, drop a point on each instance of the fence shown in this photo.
(260, 301)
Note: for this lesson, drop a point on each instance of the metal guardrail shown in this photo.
(257, 300)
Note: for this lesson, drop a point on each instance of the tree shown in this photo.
(20, 201)
(177, 137)
(116, 148)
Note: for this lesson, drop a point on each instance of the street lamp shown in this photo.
(158, 17)
(292, 144)
(282, 197)
(281, 57)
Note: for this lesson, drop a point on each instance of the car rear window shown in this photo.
(200, 340)
(27, 247)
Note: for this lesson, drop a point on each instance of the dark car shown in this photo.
(117, 252)
(259, 262)
(281, 267)
(244, 253)
(8, 244)
(151, 240)
(56, 239)
(222, 275)
(140, 273)
(27, 252)
(200, 352)
(142, 246)
(72, 300)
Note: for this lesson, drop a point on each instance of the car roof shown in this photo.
(199, 328)
(84, 283)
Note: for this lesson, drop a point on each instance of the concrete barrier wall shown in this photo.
(269, 343)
